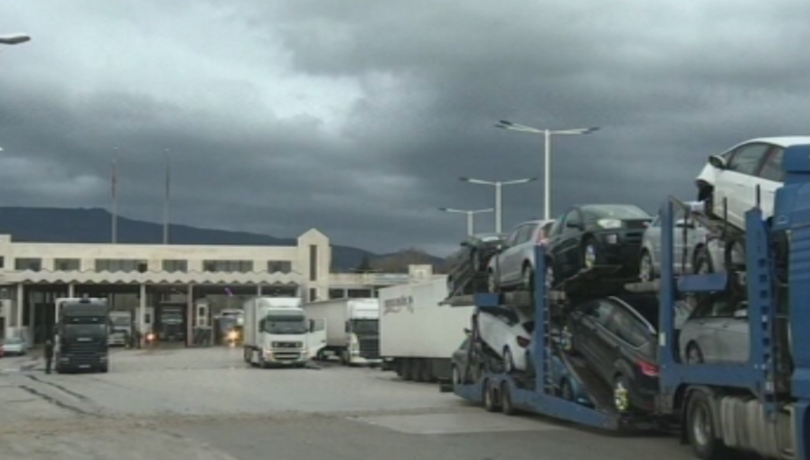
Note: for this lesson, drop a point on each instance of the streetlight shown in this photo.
(498, 186)
(547, 133)
(470, 216)
(14, 39)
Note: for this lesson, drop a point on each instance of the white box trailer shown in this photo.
(352, 329)
(418, 335)
(276, 332)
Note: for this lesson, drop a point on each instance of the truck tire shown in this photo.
(506, 400)
(700, 431)
(488, 395)
(407, 369)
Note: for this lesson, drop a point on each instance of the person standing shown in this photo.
(48, 355)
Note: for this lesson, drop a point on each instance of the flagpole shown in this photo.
(166, 200)
(114, 186)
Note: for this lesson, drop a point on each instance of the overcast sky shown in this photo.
(358, 116)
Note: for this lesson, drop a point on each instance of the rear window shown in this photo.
(615, 212)
(644, 305)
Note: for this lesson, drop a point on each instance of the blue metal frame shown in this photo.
(536, 400)
(792, 213)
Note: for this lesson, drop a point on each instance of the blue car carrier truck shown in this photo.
(721, 410)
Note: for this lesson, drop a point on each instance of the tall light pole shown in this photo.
(498, 194)
(14, 39)
(470, 216)
(546, 133)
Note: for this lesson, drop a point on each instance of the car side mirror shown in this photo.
(741, 314)
(467, 331)
(718, 162)
(571, 225)
(464, 244)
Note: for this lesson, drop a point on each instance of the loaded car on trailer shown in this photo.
(761, 405)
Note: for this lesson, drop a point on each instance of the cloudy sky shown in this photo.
(358, 116)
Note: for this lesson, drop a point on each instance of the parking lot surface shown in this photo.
(208, 404)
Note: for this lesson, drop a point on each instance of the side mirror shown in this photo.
(572, 225)
(464, 244)
(718, 162)
(467, 331)
(741, 314)
(683, 224)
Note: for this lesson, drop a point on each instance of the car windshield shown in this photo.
(617, 211)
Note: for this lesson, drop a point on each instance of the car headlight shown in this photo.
(609, 223)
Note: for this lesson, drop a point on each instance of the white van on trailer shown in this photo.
(352, 329)
(418, 335)
(278, 333)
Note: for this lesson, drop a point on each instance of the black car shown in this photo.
(467, 267)
(596, 234)
(617, 337)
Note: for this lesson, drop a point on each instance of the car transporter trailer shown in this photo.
(761, 406)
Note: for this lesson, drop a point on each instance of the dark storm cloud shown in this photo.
(357, 117)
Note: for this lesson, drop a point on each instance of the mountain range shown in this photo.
(92, 225)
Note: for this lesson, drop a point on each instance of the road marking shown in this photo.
(456, 423)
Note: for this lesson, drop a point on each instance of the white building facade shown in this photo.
(136, 277)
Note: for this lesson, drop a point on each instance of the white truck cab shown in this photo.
(352, 329)
(277, 333)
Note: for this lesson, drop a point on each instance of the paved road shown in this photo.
(206, 404)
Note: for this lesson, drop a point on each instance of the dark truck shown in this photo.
(170, 322)
(82, 332)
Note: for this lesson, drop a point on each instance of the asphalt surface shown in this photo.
(207, 404)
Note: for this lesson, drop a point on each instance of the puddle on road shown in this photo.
(455, 423)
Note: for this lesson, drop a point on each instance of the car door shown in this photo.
(737, 182)
(703, 327)
(508, 257)
(603, 340)
(567, 251)
(770, 178)
(733, 335)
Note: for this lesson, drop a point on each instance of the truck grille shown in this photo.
(370, 348)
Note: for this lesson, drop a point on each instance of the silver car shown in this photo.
(690, 243)
(14, 346)
(513, 267)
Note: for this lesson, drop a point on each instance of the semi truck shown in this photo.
(721, 408)
(278, 333)
(121, 328)
(170, 322)
(352, 329)
(81, 334)
(418, 334)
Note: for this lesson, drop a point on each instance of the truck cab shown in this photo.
(82, 334)
(276, 332)
(362, 332)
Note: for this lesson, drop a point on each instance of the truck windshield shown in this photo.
(73, 330)
(365, 326)
(284, 325)
(171, 318)
(121, 321)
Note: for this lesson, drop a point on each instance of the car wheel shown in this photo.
(702, 264)
(700, 429)
(566, 391)
(621, 396)
(646, 272)
(549, 276)
(455, 375)
(693, 354)
(528, 279)
(590, 256)
(508, 360)
(492, 283)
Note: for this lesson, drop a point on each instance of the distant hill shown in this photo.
(92, 225)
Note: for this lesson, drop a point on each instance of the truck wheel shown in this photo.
(700, 429)
(489, 397)
(506, 400)
(407, 369)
